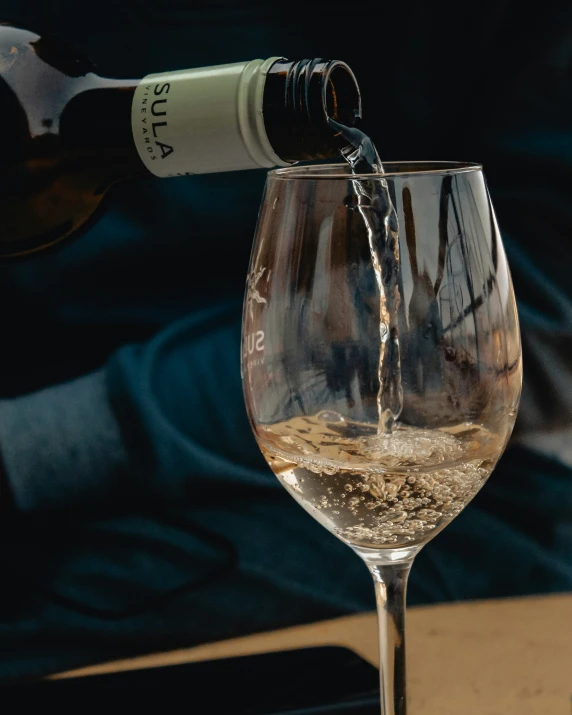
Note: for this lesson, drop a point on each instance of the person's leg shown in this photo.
(221, 549)
(167, 579)
(247, 561)
(206, 544)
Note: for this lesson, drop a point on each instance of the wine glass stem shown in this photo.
(390, 590)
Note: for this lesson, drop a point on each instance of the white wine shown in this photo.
(372, 202)
(374, 490)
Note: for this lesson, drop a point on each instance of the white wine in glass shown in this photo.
(382, 382)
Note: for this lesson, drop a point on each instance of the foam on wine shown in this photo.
(379, 490)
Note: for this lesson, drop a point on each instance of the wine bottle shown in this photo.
(69, 134)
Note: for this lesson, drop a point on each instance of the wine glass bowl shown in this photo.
(312, 341)
(340, 332)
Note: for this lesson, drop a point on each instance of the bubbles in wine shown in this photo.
(375, 490)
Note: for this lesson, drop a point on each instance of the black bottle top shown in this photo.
(299, 97)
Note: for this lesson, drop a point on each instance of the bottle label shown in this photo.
(156, 102)
(202, 120)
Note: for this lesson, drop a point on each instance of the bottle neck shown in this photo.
(203, 120)
(301, 98)
(196, 121)
(247, 115)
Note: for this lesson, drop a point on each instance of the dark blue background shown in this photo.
(487, 82)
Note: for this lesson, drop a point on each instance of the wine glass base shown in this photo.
(381, 557)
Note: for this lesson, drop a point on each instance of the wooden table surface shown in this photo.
(506, 657)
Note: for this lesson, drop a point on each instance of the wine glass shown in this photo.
(323, 346)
